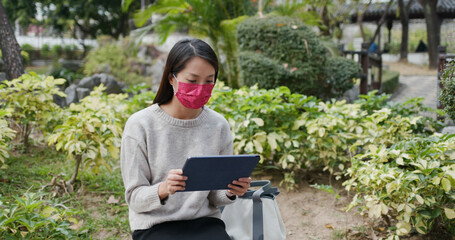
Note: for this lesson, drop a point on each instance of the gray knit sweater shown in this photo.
(154, 143)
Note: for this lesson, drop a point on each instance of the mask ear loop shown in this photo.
(173, 89)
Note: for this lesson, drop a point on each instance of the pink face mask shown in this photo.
(193, 95)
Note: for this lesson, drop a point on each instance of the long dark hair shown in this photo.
(180, 54)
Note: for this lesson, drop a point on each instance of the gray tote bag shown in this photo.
(255, 215)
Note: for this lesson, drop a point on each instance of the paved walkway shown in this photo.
(417, 86)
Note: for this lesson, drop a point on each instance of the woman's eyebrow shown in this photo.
(195, 75)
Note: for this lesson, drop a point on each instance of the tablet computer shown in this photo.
(217, 172)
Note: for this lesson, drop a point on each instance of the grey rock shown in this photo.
(2, 76)
(90, 82)
(112, 86)
(82, 92)
(351, 95)
(449, 130)
(71, 95)
(78, 91)
(61, 101)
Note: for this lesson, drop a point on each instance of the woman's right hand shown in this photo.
(175, 181)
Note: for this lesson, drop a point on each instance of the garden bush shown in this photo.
(282, 51)
(57, 51)
(31, 96)
(412, 182)
(447, 96)
(45, 51)
(31, 217)
(90, 131)
(116, 59)
(6, 135)
(390, 81)
(292, 132)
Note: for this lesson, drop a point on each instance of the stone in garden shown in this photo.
(351, 95)
(82, 93)
(449, 130)
(2, 76)
(112, 85)
(71, 96)
(90, 82)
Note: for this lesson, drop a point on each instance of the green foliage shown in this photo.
(326, 188)
(115, 59)
(339, 75)
(25, 58)
(211, 19)
(142, 98)
(6, 135)
(390, 81)
(293, 132)
(30, 217)
(412, 181)
(57, 51)
(447, 96)
(281, 51)
(31, 97)
(27, 47)
(91, 130)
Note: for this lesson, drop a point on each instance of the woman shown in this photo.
(157, 141)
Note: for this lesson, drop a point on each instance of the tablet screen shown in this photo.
(217, 172)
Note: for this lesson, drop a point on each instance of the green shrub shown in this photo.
(31, 97)
(282, 51)
(142, 98)
(115, 59)
(45, 51)
(287, 42)
(29, 217)
(90, 132)
(57, 51)
(390, 81)
(6, 135)
(339, 75)
(293, 132)
(412, 181)
(447, 96)
(27, 47)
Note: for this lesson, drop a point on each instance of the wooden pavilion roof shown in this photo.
(445, 9)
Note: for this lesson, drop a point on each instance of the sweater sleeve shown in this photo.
(219, 197)
(140, 195)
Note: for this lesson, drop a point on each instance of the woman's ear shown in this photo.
(170, 78)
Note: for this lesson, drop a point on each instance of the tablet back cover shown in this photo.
(217, 172)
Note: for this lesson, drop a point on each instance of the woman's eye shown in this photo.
(209, 81)
(192, 81)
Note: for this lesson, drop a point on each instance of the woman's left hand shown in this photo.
(240, 186)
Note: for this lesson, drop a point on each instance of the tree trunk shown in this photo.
(11, 50)
(404, 19)
(433, 23)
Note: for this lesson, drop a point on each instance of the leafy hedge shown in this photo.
(390, 81)
(282, 51)
(292, 131)
(412, 181)
(447, 96)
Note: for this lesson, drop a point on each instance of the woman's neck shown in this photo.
(176, 110)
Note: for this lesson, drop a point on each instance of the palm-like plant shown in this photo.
(214, 19)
